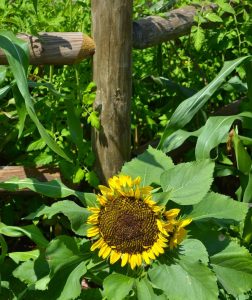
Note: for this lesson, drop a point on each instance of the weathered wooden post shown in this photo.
(112, 34)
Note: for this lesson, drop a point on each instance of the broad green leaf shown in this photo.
(24, 256)
(31, 271)
(31, 231)
(17, 53)
(188, 183)
(77, 215)
(188, 276)
(188, 108)
(67, 265)
(214, 132)
(149, 166)
(72, 287)
(233, 267)
(117, 286)
(221, 207)
(145, 290)
(54, 189)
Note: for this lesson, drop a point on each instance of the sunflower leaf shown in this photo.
(233, 267)
(188, 183)
(221, 207)
(195, 279)
(77, 215)
(117, 286)
(149, 166)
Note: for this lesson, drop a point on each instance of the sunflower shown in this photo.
(130, 226)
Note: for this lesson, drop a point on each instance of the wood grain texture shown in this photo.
(112, 33)
(56, 48)
(153, 30)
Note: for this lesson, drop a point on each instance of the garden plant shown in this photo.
(176, 221)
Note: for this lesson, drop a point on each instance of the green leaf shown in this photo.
(214, 132)
(213, 17)
(67, 265)
(233, 267)
(247, 196)
(243, 159)
(54, 189)
(77, 215)
(221, 207)
(36, 145)
(177, 138)
(72, 287)
(149, 166)
(17, 52)
(117, 286)
(145, 291)
(188, 276)
(31, 271)
(31, 231)
(189, 107)
(199, 37)
(24, 256)
(21, 109)
(94, 120)
(3, 70)
(188, 183)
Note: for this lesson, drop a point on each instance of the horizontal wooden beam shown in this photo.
(42, 174)
(153, 30)
(65, 48)
(56, 48)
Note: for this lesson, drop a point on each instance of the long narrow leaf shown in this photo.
(16, 52)
(54, 189)
(213, 133)
(188, 108)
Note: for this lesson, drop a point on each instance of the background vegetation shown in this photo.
(163, 77)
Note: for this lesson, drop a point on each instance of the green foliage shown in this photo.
(44, 252)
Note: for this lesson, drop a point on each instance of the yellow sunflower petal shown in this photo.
(133, 261)
(172, 213)
(137, 180)
(125, 258)
(138, 259)
(97, 244)
(114, 256)
(93, 231)
(102, 200)
(185, 222)
(137, 193)
(105, 190)
(151, 254)
(102, 250)
(146, 257)
(106, 252)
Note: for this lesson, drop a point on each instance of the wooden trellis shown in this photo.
(114, 34)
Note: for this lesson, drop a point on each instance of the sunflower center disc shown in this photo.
(128, 225)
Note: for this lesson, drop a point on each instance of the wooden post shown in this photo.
(112, 34)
